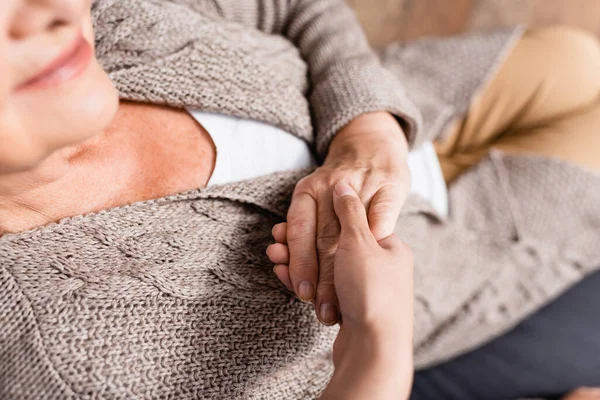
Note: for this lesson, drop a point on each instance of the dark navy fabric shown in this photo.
(549, 354)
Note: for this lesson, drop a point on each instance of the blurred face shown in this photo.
(53, 92)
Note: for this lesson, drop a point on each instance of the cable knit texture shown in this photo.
(251, 59)
(175, 298)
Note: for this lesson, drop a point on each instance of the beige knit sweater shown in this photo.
(175, 298)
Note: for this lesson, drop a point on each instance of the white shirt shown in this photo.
(248, 149)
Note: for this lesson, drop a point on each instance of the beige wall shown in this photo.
(392, 20)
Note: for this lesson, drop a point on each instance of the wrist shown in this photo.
(370, 132)
(370, 141)
(377, 363)
(384, 340)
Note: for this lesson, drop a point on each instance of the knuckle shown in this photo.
(326, 246)
(302, 268)
(326, 292)
(328, 229)
(351, 204)
(383, 206)
(326, 276)
(299, 229)
(303, 185)
(311, 183)
(380, 211)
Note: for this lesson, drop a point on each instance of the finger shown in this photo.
(326, 306)
(280, 233)
(384, 211)
(301, 238)
(328, 233)
(351, 214)
(278, 253)
(283, 274)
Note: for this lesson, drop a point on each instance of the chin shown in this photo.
(97, 102)
(87, 108)
(18, 157)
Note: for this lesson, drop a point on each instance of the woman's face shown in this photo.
(53, 92)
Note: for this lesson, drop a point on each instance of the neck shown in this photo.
(31, 198)
(146, 153)
(73, 181)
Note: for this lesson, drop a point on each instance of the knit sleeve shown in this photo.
(346, 77)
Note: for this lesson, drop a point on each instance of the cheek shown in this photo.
(95, 107)
(52, 120)
(85, 110)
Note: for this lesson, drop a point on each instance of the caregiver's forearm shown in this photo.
(374, 367)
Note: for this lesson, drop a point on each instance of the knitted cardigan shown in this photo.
(175, 298)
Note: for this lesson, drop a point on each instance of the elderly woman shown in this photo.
(146, 289)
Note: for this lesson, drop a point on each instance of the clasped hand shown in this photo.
(369, 155)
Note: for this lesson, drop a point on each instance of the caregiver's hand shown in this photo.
(370, 155)
(374, 281)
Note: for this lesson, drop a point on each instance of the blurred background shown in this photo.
(392, 20)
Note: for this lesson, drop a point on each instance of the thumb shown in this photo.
(351, 213)
(384, 210)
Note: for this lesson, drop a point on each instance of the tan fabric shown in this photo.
(544, 100)
(175, 298)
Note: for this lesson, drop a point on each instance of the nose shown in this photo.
(36, 16)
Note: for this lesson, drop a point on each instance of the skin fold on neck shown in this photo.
(147, 152)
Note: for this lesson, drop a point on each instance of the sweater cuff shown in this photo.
(353, 88)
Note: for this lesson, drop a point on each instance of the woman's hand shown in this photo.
(369, 154)
(374, 281)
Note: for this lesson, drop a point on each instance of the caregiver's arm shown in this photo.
(363, 124)
(374, 280)
(370, 369)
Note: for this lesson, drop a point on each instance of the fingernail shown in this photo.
(328, 313)
(343, 189)
(306, 291)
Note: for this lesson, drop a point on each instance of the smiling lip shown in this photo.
(64, 68)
